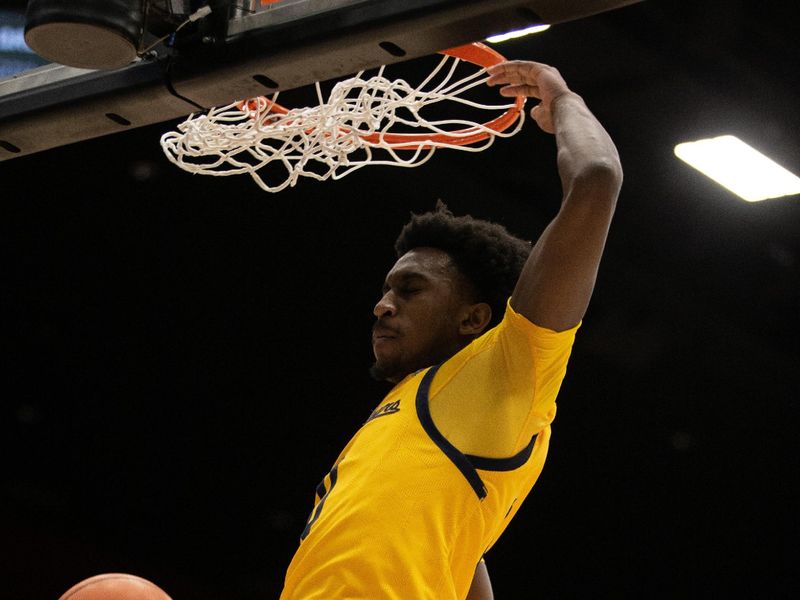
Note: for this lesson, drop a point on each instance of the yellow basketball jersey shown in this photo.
(404, 514)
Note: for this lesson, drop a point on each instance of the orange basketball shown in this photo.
(115, 586)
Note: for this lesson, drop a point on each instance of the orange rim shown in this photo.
(477, 54)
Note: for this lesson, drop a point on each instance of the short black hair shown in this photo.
(484, 252)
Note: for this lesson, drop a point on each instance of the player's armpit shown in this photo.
(481, 588)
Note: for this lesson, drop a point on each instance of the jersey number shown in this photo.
(322, 494)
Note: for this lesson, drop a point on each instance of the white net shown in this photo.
(358, 124)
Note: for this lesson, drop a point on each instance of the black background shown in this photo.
(184, 356)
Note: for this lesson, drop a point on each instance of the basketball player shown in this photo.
(441, 466)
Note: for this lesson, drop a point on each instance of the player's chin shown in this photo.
(385, 367)
(379, 372)
(385, 350)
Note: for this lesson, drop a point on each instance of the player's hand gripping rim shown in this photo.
(533, 80)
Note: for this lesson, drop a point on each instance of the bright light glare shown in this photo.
(738, 167)
(12, 39)
(495, 39)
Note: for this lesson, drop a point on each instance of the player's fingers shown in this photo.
(527, 90)
(515, 67)
(514, 72)
(510, 78)
(543, 118)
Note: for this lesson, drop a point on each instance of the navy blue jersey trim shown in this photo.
(458, 459)
(466, 463)
(503, 464)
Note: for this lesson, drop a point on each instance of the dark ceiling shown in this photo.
(185, 356)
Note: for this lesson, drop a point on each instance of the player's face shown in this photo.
(419, 314)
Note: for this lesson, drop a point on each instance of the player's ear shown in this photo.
(476, 319)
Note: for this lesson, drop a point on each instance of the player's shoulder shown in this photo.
(515, 324)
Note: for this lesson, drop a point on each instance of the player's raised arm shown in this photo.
(557, 281)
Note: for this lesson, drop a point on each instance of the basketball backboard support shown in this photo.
(247, 48)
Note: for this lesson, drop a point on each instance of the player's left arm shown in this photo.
(481, 588)
(558, 279)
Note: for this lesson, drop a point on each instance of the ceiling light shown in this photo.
(496, 39)
(738, 167)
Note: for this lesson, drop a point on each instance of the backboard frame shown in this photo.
(55, 105)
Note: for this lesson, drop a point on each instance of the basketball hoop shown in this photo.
(359, 124)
